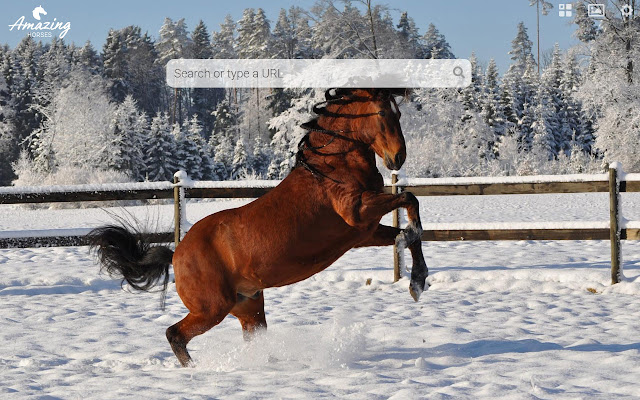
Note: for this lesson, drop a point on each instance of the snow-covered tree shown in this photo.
(89, 58)
(410, 37)
(194, 134)
(587, 29)
(246, 39)
(490, 102)
(284, 40)
(435, 45)
(174, 41)
(222, 42)
(9, 147)
(224, 120)
(77, 129)
(203, 99)
(130, 63)
(550, 85)
(223, 157)
(131, 130)
(22, 81)
(114, 62)
(260, 158)
(239, 164)
(160, 150)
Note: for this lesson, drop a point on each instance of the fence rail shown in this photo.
(179, 191)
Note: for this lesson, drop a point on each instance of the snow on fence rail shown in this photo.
(614, 182)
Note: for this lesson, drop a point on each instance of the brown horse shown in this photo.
(332, 201)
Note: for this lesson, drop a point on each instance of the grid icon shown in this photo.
(565, 10)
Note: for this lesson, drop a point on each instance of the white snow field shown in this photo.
(514, 320)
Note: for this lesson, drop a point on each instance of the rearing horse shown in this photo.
(332, 201)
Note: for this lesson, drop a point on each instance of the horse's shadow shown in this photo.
(492, 347)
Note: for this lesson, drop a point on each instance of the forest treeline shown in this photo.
(70, 114)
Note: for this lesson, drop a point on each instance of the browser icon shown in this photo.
(596, 10)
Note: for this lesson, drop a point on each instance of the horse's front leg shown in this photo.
(387, 236)
(375, 205)
(371, 206)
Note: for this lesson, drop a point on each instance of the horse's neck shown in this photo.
(332, 154)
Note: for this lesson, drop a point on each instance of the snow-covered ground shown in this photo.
(502, 319)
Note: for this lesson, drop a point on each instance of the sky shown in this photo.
(486, 27)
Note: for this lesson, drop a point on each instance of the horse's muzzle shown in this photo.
(396, 162)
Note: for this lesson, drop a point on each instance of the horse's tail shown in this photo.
(125, 253)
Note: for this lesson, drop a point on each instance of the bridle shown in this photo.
(312, 126)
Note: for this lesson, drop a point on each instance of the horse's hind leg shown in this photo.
(189, 327)
(250, 313)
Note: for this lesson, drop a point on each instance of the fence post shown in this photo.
(395, 216)
(614, 228)
(176, 208)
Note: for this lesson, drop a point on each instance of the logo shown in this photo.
(41, 29)
(37, 11)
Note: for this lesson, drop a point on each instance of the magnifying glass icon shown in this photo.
(457, 71)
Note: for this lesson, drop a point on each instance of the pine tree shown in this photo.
(491, 106)
(240, 160)
(284, 40)
(131, 126)
(560, 139)
(9, 148)
(577, 122)
(130, 62)
(174, 42)
(160, 150)
(22, 81)
(223, 157)
(470, 95)
(302, 33)
(519, 89)
(114, 62)
(543, 144)
(223, 122)
(222, 42)
(144, 74)
(435, 45)
(412, 48)
(260, 42)
(200, 46)
(192, 145)
(89, 58)
(203, 99)
(260, 159)
(245, 34)
(195, 135)
(521, 47)
(587, 30)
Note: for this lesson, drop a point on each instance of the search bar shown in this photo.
(323, 73)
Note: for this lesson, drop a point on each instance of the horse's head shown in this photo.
(372, 117)
(37, 11)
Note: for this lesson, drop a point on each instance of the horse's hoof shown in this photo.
(416, 289)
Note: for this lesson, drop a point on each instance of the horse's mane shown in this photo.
(335, 96)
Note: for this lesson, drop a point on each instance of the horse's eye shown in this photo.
(381, 113)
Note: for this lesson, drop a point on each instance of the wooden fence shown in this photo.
(614, 183)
